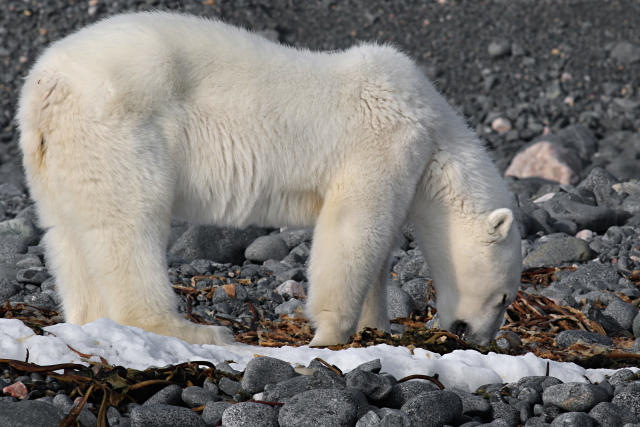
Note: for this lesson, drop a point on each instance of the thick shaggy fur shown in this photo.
(142, 117)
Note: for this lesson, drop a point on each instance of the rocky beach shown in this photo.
(551, 88)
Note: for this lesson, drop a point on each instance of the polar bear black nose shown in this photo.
(460, 328)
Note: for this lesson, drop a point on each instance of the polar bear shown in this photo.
(147, 116)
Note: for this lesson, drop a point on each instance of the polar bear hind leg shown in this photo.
(104, 195)
(81, 303)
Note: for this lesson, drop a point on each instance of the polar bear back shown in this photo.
(253, 131)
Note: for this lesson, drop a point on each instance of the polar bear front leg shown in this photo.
(374, 311)
(352, 239)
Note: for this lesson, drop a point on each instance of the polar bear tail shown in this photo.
(43, 102)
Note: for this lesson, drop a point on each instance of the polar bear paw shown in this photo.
(199, 334)
(328, 336)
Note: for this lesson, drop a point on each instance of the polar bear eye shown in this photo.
(504, 299)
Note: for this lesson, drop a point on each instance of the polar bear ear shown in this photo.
(499, 224)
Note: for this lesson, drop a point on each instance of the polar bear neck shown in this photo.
(461, 176)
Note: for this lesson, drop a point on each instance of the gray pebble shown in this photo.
(63, 402)
(636, 326)
(566, 338)
(277, 392)
(573, 419)
(575, 396)
(29, 413)
(249, 414)
(374, 386)
(212, 412)
(629, 400)
(229, 386)
(404, 391)
(499, 48)
(198, 396)
(417, 289)
(32, 275)
(288, 307)
(266, 247)
(621, 312)
(506, 412)
(371, 366)
(609, 414)
(169, 395)
(399, 303)
(558, 251)
(323, 407)
(472, 404)
(261, 371)
(164, 415)
(433, 408)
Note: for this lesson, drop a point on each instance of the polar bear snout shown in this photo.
(460, 328)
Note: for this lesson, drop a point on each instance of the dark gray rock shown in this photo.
(362, 404)
(622, 376)
(322, 407)
(592, 276)
(288, 307)
(538, 383)
(63, 402)
(371, 366)
(261, 371)
(170, 395)
(578, 397)
(529, 395)
(212, 412)
(267, 247)
(198, 396)
(16, 235)
(433, 408)
(249, 414)
(374, 386)
(402, 392)
(506, 412)
(621, 312)
(573, 419)
(7, 288)
(558, 251)
(229, 386)
(399, 303)
(636, 326)
(277, 392)
(472, 404)
(609, 414)
(536, 422)
(566, 338)
(393, 418)
(499, 48)
(214, 243)
(164, 415)
(29, 413)
(625, 52)
(565, 206)
(599, 182)
(294, 237)
(417, 289)
(629, 400)
(32, 275)
(370, 419)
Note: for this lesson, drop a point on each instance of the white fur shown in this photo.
(142, 117)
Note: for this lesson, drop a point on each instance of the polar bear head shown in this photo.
(476, 264)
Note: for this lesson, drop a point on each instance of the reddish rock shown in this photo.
(17, 389)
(547, 160)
